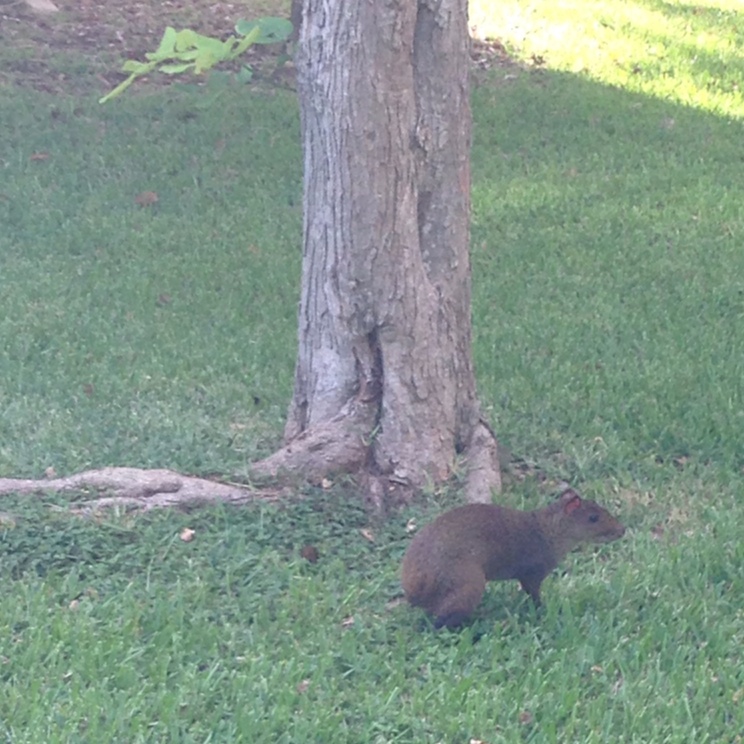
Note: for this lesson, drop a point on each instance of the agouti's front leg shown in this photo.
(530, 582)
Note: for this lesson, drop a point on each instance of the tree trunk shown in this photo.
(295, 16)
(384, 381)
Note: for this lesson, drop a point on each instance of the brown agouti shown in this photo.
(448, 562)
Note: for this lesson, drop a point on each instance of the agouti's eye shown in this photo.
(594, 517)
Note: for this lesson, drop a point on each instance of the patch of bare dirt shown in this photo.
(85, 44)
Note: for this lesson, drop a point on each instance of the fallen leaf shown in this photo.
(367, 534)
(146, 199)
(187, 534)
(347, 622)
(42, 6)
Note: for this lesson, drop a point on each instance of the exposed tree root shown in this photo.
(340, 445)
(335, 446)
(484, 469)
(137, 488)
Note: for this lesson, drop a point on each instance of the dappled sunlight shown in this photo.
(690, 53)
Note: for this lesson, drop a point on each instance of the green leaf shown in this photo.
(205, 61)
(185, 39)
(188, 39)
(244, 27)
(175, 68)
(168, 43)
(272, 29)
(245, 42)
(187, 55)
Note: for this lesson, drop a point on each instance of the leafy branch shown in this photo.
(184, 50)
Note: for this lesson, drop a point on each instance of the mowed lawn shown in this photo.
(149, 277)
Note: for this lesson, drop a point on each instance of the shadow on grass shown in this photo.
(608, 282)
(608, 275)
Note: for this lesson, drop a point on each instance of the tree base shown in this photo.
(335, 447)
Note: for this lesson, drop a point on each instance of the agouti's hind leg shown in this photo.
(457, 604)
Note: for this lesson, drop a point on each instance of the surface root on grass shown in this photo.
(335, 446)
(340, 445)
(138, 488)
(484, 469)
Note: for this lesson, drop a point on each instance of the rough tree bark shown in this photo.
(384, 380)
(384, 383)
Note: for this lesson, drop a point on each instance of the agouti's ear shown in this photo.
(571, 501)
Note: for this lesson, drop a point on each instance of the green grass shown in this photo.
(614, 302)
(157, 333)
(119, 631)
(608, 306)
(684, 51)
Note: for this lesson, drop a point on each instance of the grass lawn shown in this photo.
(609, 342)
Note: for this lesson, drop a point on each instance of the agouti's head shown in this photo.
(582, 520)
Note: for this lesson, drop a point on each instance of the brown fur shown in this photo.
(448, 563)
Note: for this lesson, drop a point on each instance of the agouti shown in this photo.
(448, 562)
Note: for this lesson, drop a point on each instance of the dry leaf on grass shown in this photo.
(146, 199)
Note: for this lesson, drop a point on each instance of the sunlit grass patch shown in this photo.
(686, 52)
